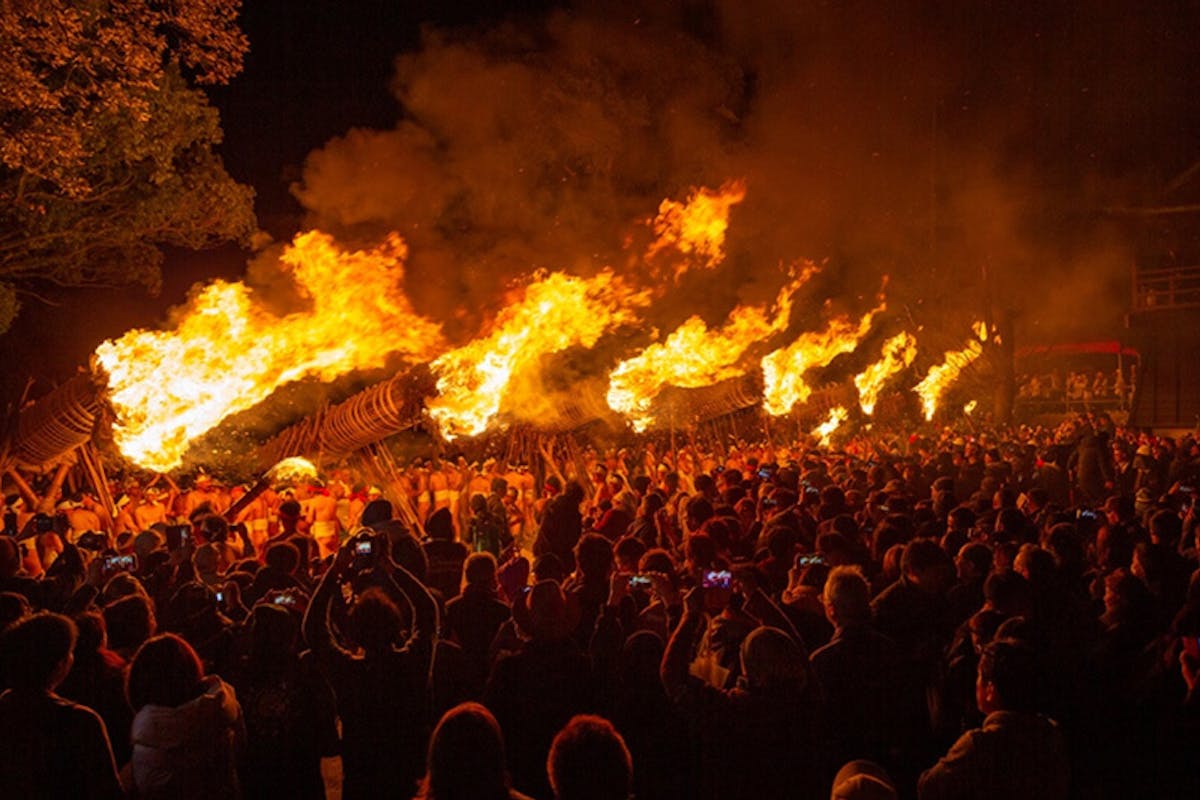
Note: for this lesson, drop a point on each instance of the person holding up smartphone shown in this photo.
(380, 681)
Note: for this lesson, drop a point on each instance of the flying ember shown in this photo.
(228, 351)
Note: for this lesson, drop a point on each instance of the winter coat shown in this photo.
(187, 752)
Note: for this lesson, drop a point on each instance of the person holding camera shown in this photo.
(380, 678)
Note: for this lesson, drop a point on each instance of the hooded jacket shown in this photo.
(187, 751)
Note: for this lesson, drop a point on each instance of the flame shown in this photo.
(941, 376)
(697, 226)
(783, 369)
(228, 352)
(556, 312)
(836, 417)
(898, 352)
(292, 470)
(693, 356)
(969, 408)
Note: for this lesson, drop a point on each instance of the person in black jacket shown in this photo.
(382, 688)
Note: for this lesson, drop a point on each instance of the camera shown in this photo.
(717, 579)
(366, 550)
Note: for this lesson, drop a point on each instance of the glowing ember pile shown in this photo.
(694, 356)
(941, 376)
(293, 470)
(229, 352)
(555, 313)
(697, 226)
(783, 370)
(898, 353)
(837, 416)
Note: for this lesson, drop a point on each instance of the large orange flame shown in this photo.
(941, 376)
(693, 356)
(556, 312)
(898, 352)
(824, 431)
(229, 352)
(696, 227)
(783, 370)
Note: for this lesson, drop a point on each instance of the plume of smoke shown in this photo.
(917, 139)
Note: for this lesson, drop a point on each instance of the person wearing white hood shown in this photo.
(187, 726)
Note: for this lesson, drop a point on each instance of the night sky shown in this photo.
(1091, 104)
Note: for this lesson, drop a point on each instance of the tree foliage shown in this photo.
(106, 144)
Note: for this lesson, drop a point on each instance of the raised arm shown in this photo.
(674, 668)
(317, 632)
(425, 611)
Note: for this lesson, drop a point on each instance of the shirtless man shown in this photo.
(150, 510)
(359, 497)
(521, 480)
(320, 510)
(256, 516)
(124, 522)
(81, 517)
(422, 497)
(456, 478)
(481, 479)
(202, 492)
(439, 484)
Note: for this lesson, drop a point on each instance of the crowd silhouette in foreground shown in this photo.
(983, 614)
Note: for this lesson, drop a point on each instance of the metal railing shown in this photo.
(1165, 289)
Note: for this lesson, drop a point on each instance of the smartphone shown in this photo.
(43, 523)
(809, 560)
(177, 536)
(639, 581)
(118, 563)
(281, 599)
(1086, 513)
(765, 474)
(364, 547)
(717, 579)
(220, 597)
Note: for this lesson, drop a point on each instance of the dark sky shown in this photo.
(1090, 102)
(315, 69)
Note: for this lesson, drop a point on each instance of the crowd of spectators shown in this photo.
(997, 614)
(1078, 390)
